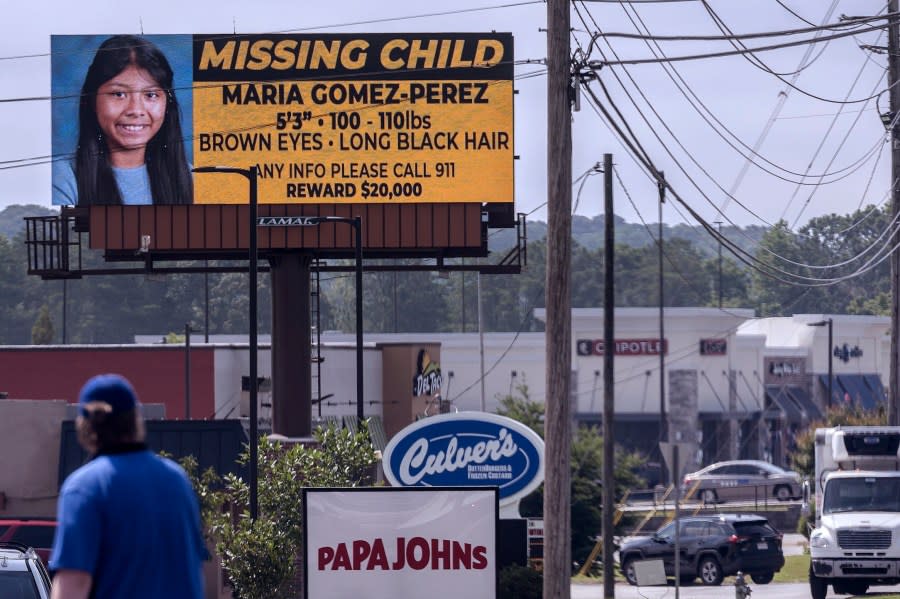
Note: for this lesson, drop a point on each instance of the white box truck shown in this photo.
(856, 539)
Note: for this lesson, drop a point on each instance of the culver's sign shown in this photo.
(467, 449)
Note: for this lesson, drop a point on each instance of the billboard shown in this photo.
(393, 543)
(326, 118)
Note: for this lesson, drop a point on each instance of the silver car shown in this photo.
(22, 574)
(744, 480)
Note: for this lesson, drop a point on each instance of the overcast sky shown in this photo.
(809, 135)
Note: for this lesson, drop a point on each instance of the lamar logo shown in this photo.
(287, 221)
(417, 553)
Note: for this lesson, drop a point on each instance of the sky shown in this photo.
(804, 138)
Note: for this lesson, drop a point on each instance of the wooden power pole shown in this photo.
(609, 304)
(894, 95)
(557, 420)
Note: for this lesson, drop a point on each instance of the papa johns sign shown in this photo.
(467, 449)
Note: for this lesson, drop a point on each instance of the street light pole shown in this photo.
(829, 322)
(251, 175)
(357, 224)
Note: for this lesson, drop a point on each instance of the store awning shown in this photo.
(809, 408)
(873, 382)
(863, 390)
(781, 406)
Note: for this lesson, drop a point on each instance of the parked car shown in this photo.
(22, 573)
(711, 548)
(742, 480)
(31, 532)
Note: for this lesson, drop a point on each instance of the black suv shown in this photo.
(711, 548)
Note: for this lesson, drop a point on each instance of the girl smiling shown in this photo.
(130, 145)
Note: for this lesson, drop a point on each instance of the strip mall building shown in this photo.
(736, 386)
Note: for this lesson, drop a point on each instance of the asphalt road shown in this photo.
(768, 591)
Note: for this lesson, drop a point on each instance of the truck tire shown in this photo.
(762, 577)
(710, 572)
(818, 588)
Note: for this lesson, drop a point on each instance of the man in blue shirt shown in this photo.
(128, 520)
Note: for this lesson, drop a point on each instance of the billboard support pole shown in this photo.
(251, 175)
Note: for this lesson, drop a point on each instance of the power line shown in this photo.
(742, 255)
(742, 36)
(636, 61)
(688, 93)
(676, 139)
(879, 147)
(337, 25)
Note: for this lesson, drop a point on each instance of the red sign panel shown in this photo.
(623, 347)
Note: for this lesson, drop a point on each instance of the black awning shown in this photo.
(856, 391)
(837, 395)
(726, 416)
(873, 382)
(807, 405)
(780, 405)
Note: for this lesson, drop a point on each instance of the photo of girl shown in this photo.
(130, 145)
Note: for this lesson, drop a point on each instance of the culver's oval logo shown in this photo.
(467, 449)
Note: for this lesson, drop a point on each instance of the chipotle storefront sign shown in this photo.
(622, 347)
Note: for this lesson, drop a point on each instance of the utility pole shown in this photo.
(557, 421)
(609, 302)
(663, 435)
(894, 95)
(719, 224)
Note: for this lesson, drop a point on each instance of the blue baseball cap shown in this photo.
(113, 390)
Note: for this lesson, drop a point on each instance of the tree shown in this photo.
(258, 556)
(42, 332)
(587, 470)
(802, 459)
(519, 407)
(824, 249)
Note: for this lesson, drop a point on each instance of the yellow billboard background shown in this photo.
(424, 141)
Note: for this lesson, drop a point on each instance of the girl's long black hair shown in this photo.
(167, 165)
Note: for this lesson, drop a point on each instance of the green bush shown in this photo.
(520, 582)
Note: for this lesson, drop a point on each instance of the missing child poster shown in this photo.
(336, 118)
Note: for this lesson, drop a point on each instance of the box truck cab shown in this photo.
(856, 539)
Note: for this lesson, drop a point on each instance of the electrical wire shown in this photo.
(676, 139)
(753, 59)
(742, 36)
(742, 255)
(790, 10)
(688, 93)
(338, 25)
(879, 147)
(637, 61)
(805, 61)
(706, 225)
(830, 162)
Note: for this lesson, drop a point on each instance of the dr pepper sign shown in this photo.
(468, 449)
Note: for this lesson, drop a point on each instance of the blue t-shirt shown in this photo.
(132, 521)
(134, 185)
